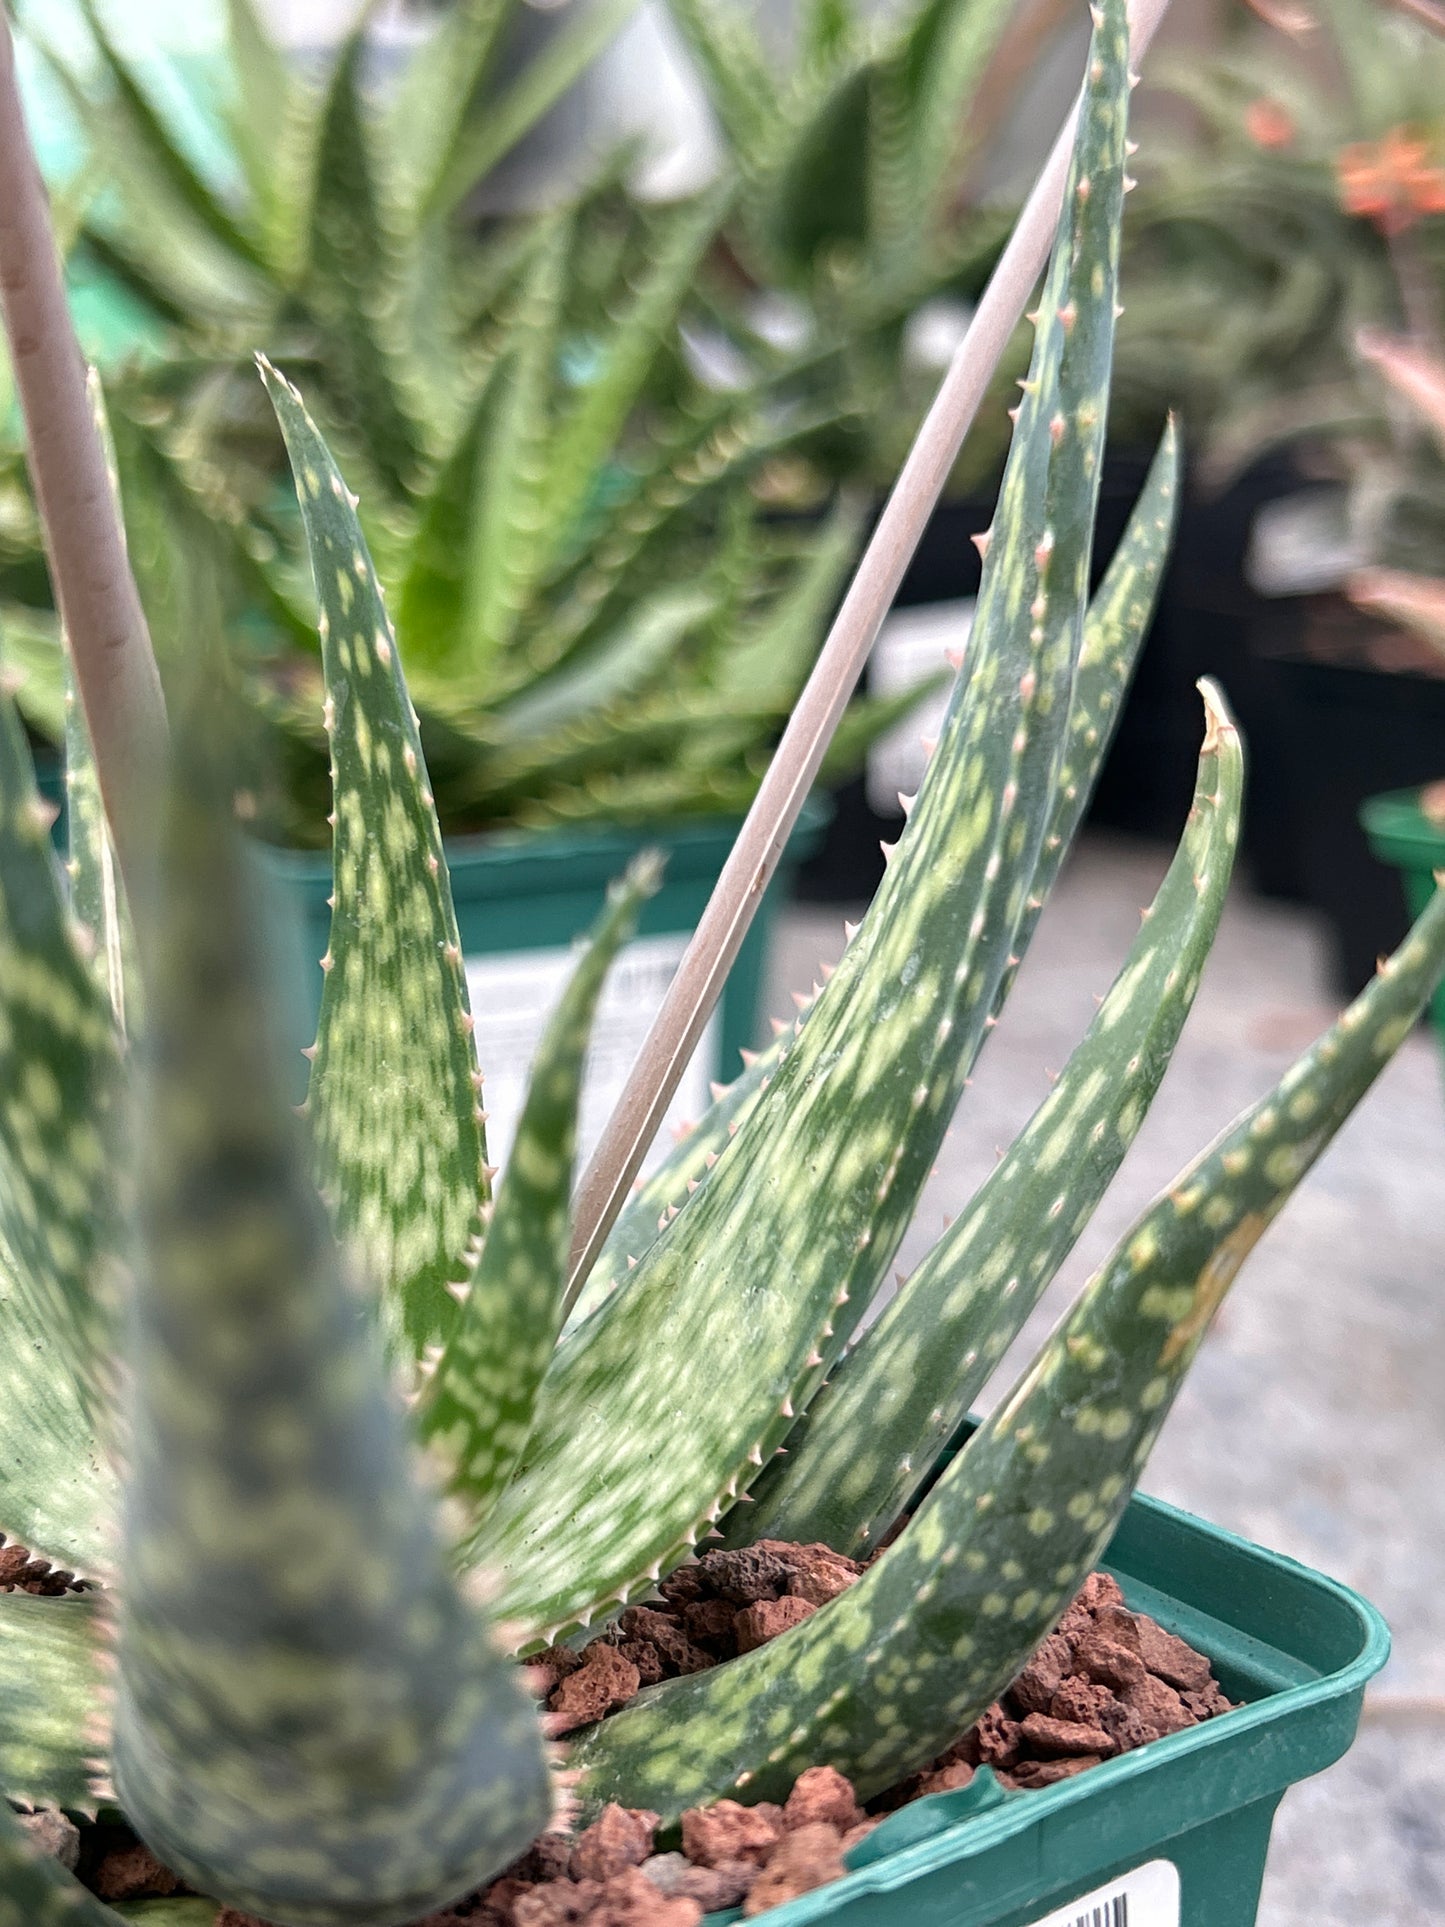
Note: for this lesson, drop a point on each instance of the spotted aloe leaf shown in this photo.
(884, 1677)
(815, 1194)
(97, 895)
(56, 1495)
(36, 1891)
(49, 1685)
(394, 1096)
(872, 1435)
(1114, 632)
(477, 1409)
(310, 1721)
(58, 1070)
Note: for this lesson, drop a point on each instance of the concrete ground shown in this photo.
(1314, 1421)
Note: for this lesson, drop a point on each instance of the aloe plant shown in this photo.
(312, 1714)
(599, 618)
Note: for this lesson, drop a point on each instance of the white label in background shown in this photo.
(514, 994)
(1148, 1897)
(909, 651)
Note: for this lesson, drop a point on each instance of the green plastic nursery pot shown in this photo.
(1175, 1834)
(1402, 835)
(523, 900)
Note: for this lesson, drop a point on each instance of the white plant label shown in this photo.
(1148, 1897)
(910, 650)
(514, 994)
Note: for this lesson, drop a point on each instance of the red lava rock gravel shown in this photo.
(1106, 1681)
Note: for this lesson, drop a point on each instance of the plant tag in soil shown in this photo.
(1148, 1897)
(514, 993)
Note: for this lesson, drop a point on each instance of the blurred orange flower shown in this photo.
(1268, 123)
(1393, 182)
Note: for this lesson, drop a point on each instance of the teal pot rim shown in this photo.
(1299, 1647)
(534, 862)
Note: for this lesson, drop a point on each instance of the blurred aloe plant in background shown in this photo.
(230, 1329)
(599, 617)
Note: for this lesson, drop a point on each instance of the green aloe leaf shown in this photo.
(490, 134)
(879, 1681)
(311, 1722)
(97, 895)
(56, 1494)
(587, 434)
(37, 1892)
(771, 657)
(428, 114)
(477, 1409)
(58, 1066)
(50, 1685)
(868, 1089)
(35, 664)
(741, 83)
(394, 1083)
(259, 116)
(354, 282)
(876, 1430)
(163, 152)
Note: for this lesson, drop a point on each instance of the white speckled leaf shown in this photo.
(58, 1066)
(809, 1205)
(477, 1409)
(875, 1432)
(49, 1683)
(882, 1678)
(394, 1098)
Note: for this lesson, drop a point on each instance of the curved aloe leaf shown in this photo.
(875, 1431)
(311, 1722)
(50, 1684)
(58, 1068)
(879, 1681)
(427, 115)
(353, 275)
(56, 1494)
(477, 1410)
(394, 1084)
(97, 895)
(38, 1892)
(814, 1197)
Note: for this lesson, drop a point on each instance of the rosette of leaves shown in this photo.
(311, 1712)
(852, 128)
(599, 618)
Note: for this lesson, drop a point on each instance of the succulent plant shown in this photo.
(312, 1711)
(852, 128)
(599, 616)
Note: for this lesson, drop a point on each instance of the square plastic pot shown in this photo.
(1180, 1826)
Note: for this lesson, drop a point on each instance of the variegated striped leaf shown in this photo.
(814, 1196)
(394, 1098)
(311, 1722)
(876, 1430)
(884, 1677)
(477, 1410)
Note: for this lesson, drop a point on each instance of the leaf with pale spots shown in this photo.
(394, 1097)
(477, 1409)
(658, 1199)
(56, 1493)
(49, 1686)
(36, 1891)
(883, 1678)
(816, 1193)
(58, 1078)
(97, 895)
(308, 1711)
(872, 1436)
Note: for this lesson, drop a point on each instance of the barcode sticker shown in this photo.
(1148, 1897)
